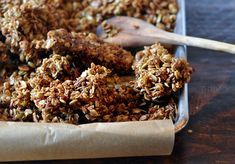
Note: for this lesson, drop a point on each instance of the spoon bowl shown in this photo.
(136, 32)
(131, 32)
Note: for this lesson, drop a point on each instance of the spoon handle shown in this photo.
(172, 38)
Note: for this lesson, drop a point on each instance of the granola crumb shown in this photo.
(109, 30)
(190, 131)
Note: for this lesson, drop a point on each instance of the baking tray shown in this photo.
(46, 134)
(181, 52)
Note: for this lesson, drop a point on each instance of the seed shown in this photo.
(143, 117)
(106, 117)
(154, 78)
(19, 116)
(31, 64)
(22, 57)
(173, 8)
(173, 87)
(93, 113)
(55, 119)
(23, 84)
(35, 117)
(136, 111)
(23, 103)
(166, 85)
(166, 58)
(68, 57)
(23, 68)
(67, 44)
(158, 86)
(72, 102)
(161, 26)
(21, 73)
(177, 74)
(166, 65)
(26, 58)
(62, 101)
(28, 112)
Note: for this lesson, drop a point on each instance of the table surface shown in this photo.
(210, 134)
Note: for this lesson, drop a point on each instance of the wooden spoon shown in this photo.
(135, 32)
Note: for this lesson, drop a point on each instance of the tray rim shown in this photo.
(181, 52)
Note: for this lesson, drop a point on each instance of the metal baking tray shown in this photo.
(181, 52)
(182, 117)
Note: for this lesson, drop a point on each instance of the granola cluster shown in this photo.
(95, 95)
(158, 73)
(53, 70)
(22, 23)
(87, 48)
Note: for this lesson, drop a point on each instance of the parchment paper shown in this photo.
(44, 141)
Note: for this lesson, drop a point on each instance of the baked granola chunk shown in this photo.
(159, 73)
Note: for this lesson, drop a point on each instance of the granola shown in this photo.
(158, 73)
(87, 48)
(24, 22)
(53, 69)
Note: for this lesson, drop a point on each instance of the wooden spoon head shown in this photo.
(133, 31)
